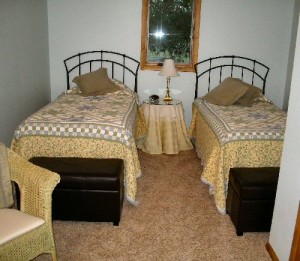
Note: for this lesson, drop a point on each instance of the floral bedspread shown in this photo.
(262, 121)
(251, 145)
(88, 127)
(110, 116)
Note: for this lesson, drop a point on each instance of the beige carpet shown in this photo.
(175, 220)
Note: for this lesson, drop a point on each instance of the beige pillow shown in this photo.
(249, 97)
(226, 93)
(95, 83)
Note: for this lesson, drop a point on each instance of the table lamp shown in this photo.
(168, 70)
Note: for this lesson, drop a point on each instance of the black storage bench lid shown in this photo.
(84, 173)
(254, 183)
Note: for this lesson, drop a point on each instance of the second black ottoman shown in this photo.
(89, 190)
(251, 197)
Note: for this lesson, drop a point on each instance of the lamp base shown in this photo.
(168, 98)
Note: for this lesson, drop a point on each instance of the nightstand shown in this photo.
(166, 128)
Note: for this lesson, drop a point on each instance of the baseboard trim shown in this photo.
(271, 252)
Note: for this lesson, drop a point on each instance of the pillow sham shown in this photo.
(123, 87)
(249, 97)
(226, 93)
(262, 98)
(95, 83)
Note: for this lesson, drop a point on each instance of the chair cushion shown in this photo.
(14, 223)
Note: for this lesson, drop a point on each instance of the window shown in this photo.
(170, 29)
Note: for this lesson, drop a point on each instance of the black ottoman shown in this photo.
(89, 190)
(251, 197)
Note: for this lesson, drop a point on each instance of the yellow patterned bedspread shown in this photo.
(217, 158)
(88, 127)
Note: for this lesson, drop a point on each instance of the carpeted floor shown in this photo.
(175, 220)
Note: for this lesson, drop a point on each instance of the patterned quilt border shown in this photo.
(123, 132)
(228, 130)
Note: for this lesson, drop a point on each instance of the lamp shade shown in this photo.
(168, 69)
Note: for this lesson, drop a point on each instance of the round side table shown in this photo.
(166, 128)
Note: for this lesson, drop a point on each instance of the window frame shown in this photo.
(155, 66)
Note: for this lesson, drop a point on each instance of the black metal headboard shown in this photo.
(118, 66)
(220, 67)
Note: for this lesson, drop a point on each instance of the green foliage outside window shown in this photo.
(170, 30)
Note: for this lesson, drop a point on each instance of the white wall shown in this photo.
(288, 191)
(291, 54)
(259, 29)
(24, 62)
(76, 26)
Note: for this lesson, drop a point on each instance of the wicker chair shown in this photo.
(36, 185)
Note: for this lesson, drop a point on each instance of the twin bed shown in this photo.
(234, 125)
(82, 123)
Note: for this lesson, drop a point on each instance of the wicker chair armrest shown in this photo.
(36, 185)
